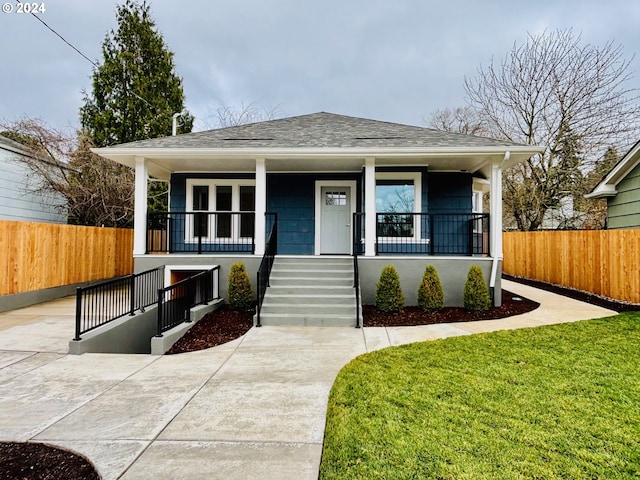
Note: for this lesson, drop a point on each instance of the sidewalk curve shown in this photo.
(253, 408)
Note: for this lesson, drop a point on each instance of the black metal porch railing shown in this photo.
(176, 301)
(201, 232)
(432, 234)
(104, 302)
(264, 271)
(357, 250)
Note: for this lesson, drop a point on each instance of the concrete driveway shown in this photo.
(250, 409)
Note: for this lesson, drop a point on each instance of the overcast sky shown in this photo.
(393, 60)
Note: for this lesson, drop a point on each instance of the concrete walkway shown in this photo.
(251, 409)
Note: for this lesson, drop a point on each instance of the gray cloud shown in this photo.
(396, 61)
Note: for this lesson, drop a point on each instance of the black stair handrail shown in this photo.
(357, 245)
(266, 264)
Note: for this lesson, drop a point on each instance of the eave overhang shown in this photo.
(162, 162)
(608, 187)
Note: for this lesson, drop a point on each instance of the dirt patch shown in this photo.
(38, 461)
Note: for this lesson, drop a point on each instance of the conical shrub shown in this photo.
(240, 291)
(389, 297)
(476, 292)
(430, 292)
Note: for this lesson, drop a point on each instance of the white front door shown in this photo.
(335, 219)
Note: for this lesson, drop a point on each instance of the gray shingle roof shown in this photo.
(320, 130)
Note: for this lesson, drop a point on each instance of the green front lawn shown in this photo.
(551, 402)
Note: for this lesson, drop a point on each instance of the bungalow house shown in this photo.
(621, 188)
(318, 189)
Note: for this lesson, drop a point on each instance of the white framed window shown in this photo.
(398, 197)
(220, 196)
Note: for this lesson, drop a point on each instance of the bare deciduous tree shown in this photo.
(246, 113)
(571, 98)
(96, 191)
(459, 120)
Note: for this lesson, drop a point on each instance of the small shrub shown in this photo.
(240, 291)
(476, 292)
(389, 297)
(430, 293)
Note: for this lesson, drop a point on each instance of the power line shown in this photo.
(84, 56)
(62, 38)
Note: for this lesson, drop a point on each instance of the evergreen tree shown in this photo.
(430, 291)
(476, 292)
(240, 291)
(389, 296)
(135, 90)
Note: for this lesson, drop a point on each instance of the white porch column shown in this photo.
(140, 208)
(261, 205)
(495, 238)
(370, 207)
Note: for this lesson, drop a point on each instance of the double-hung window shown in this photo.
(220, 210)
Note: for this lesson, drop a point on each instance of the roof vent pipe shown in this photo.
(174, 129)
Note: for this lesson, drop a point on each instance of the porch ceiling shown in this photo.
(162, 163)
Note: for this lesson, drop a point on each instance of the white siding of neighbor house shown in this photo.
(17, 200)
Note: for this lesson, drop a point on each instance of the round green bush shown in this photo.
(389, 297)
(430, 292)
(240, 291)
(476, 292)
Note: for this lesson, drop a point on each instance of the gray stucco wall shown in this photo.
(251, 262)
(623, 210)
(125, 335)
(451, 270)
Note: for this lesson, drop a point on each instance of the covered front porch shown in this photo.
(369, 207)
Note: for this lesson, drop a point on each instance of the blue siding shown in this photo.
(292, 196)
(450, 193)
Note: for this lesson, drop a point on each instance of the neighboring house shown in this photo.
(335, 186)
(621, 188)
(18, 201)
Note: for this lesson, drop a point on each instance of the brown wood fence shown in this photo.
(35, 256)
(604, 262)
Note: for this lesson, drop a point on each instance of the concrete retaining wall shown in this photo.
(451, 270)
(136, 334)
(26, 299)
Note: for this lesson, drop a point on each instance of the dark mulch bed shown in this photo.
(511, 305)
(37, 461)
(215, 328)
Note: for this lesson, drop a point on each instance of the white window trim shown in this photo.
(212, 183)
(417, 201)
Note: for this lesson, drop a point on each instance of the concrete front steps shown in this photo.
(315, 291)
